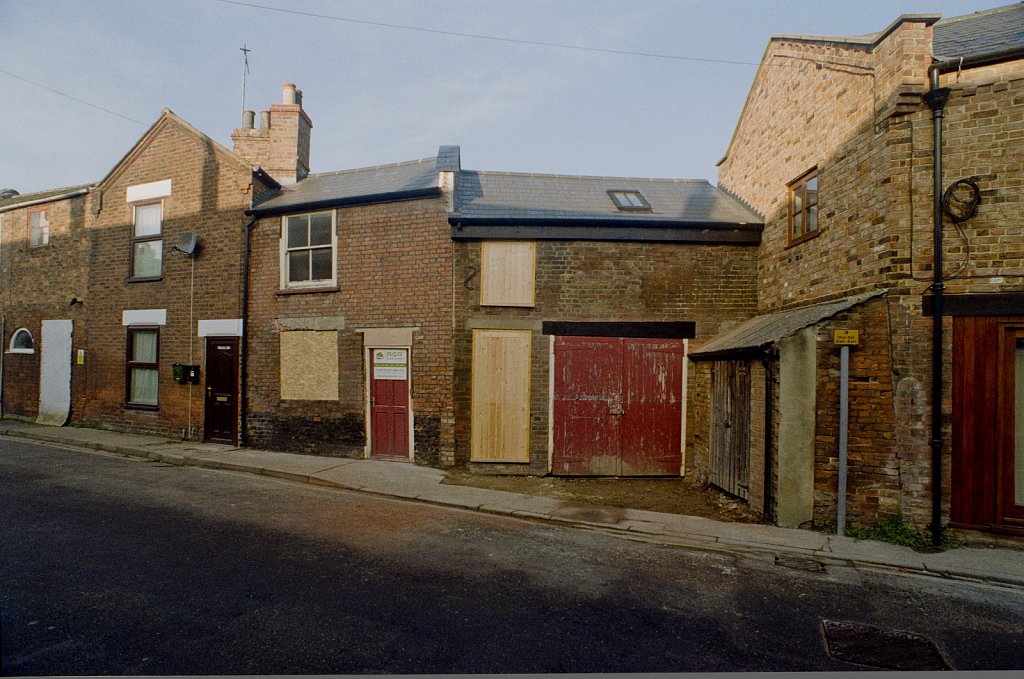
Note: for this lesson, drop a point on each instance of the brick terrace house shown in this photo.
(835, 148)
(166, 235)
(43, 278)
(576, 300)
(350, 314)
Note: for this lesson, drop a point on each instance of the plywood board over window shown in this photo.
(309, 365)
(507, 273)
(501, 396)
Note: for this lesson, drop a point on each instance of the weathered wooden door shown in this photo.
(221, 404)
(617, 407)
(389, 403)
(730, 426)
(988, 422)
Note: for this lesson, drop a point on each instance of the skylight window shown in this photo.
(629, 200)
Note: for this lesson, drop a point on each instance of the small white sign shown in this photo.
(390, 364)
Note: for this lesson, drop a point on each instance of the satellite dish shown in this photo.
(188, 243)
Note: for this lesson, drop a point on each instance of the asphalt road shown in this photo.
(111, 565)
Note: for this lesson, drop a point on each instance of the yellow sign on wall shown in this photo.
(846, 337)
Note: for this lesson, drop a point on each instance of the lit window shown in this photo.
(141, 379)
(21, 342)
(629, 200)
(308, 250)
(147, 245)
(38, 229)
(803, 207)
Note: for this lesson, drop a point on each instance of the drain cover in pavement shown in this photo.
(885, 648)
(800, 563)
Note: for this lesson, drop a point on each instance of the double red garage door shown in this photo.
(617, 406)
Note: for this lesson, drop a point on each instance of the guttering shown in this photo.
(603, 229)
(957, 64)
(48, 199)
(325, 203)
(936, 99)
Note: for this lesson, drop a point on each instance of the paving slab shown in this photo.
(880, 553)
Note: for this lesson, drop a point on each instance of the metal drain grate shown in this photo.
(885, 648)
(800, 563)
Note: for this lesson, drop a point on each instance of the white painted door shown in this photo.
(55, 373)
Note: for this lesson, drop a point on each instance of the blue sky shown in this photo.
(380, 95)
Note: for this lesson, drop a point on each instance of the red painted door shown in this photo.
(652, 423)
(617, 406)
(389, 403)
(587, 407)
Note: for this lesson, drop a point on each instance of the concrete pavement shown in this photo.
(801, 548)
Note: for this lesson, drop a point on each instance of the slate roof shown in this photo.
(980, 33)
(39, 196)
(761, 331)
(416, 178)
(545, 198)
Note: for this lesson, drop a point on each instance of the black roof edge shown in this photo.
(393, 196)
(999, 56)
(456, 219)
(731, 354)
(266, 178)
(612, 230)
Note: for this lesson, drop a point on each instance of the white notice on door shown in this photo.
(390, 364)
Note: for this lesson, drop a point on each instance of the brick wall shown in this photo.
(862, 123)
(210, 190)
(394, 271)
(37, 284)
(599, 281)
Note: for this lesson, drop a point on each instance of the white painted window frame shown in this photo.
(11, 348)
(283, 260)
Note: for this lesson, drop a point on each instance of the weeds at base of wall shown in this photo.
(896, 532)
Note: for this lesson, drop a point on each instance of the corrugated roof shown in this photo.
(980, 33)
(762, 331)
(361, 185)
(514, 196)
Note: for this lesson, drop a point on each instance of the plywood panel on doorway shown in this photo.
(501, 396)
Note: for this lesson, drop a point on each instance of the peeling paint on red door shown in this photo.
(617, 406)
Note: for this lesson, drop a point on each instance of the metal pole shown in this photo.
(844, 422)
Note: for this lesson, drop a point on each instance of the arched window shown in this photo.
(21, 342)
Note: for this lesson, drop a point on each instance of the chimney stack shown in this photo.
(281, 144)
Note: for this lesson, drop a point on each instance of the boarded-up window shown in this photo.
(507, 273)
(501, 396)
(309, 365)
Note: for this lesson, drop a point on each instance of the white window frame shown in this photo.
(43, 228)
(11, 349)
(155, 238)
(319, 282)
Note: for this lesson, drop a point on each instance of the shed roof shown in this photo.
(761, 331)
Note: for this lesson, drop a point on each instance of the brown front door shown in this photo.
(222, 390)
(988, 423)
(389, 404)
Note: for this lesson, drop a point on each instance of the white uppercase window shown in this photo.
(38, 228)
(308, 251)
(147, 244)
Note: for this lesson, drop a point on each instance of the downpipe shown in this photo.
(936, 99)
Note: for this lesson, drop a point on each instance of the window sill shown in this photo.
(20, 351)
(303, 291)
(803, 239)
(141, 406)
(150, 279)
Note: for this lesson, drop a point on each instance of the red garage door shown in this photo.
(617, 406)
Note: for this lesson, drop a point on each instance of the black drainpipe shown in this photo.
(243, 437)
(936, 99)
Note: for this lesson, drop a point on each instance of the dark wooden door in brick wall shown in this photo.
(988, 422)
(389, 404)
(730, 427)
(617, 406)
(221, 421)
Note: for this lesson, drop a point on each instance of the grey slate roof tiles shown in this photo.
(979, 33)
(41, 195)
(501, 195)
